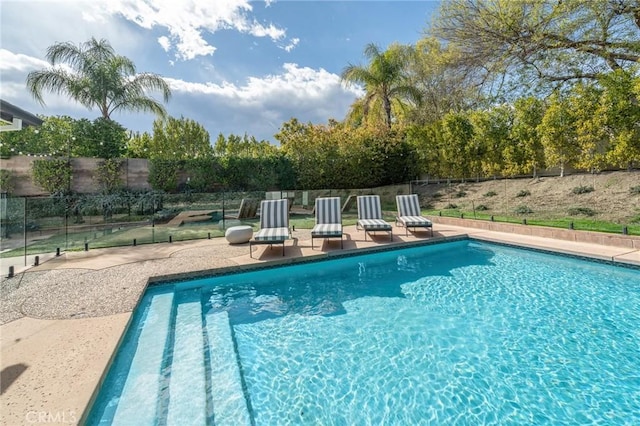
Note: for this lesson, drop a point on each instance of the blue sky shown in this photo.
(234, 66)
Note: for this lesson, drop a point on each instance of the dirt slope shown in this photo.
(612, 198)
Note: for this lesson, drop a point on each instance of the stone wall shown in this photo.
(135, 175)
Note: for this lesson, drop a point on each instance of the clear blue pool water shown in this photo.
(457, 333)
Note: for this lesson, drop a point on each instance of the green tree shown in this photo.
(525, 154)
(246, 146)
(179, 139)
(53, 175)
(65, 136)
(620, 107)
(6, 181)
(433, 69)
(457, 136)
(491, 134)
(102, 139)
(163, 174)
(543, 41)
(96, 77)
(558, 133)
(590, 126)
(139, 145)
(108, 175)
(384, 79)
(23, 142)
(426, 141)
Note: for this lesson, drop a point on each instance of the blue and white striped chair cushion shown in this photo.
(328, 210)
(327, 229)
(374, 224)
(414, 221)
(272, 234)
(408, 205)
(274, 214)
(369, 207)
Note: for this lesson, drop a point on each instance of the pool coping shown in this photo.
(97, 350)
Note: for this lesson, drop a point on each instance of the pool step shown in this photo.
(187, 389)
(138, 400)
(229, 403)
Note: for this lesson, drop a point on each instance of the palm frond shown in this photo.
(54, 80)
(98, 78)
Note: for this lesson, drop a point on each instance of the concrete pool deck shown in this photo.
(62, 320)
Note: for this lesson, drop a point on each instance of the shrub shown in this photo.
(6, 181)
(426, 205)
(577, 211)
(635, 190)
(451, 206)
(523, 193)
(460, 194)
(481, 208)
(582, 189)
(491, 194)
(436, 195)
(53, 175)
(522, 209)
(108, 175)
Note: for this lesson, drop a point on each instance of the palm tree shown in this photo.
(96, 77)
(384, 79)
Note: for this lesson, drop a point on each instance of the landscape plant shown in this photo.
(53, 175)
(6, 181)
(582, 189)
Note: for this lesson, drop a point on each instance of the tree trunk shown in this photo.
(387, 110)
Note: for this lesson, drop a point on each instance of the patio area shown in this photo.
(62, 320)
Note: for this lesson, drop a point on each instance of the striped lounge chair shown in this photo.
(370, 216)
(409, 214)
(328, 219)
(274, 224)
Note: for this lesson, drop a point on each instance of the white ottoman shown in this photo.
(239, 234)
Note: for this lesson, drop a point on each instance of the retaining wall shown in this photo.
(135, 175)
(614, 240)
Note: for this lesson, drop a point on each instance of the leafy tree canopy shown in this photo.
(540, 42)
(179, 139)
(384, 79)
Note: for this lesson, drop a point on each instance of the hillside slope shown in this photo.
(615, 196)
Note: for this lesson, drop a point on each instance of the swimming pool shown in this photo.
(462, 332)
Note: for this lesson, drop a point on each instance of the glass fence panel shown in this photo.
(43, 225)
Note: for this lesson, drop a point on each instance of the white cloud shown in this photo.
(165, 43)
(300, 84)
(187, 21)
(261, 105)
(290, 46)
(10, 61)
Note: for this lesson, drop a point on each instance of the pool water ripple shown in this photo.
(460, 333)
